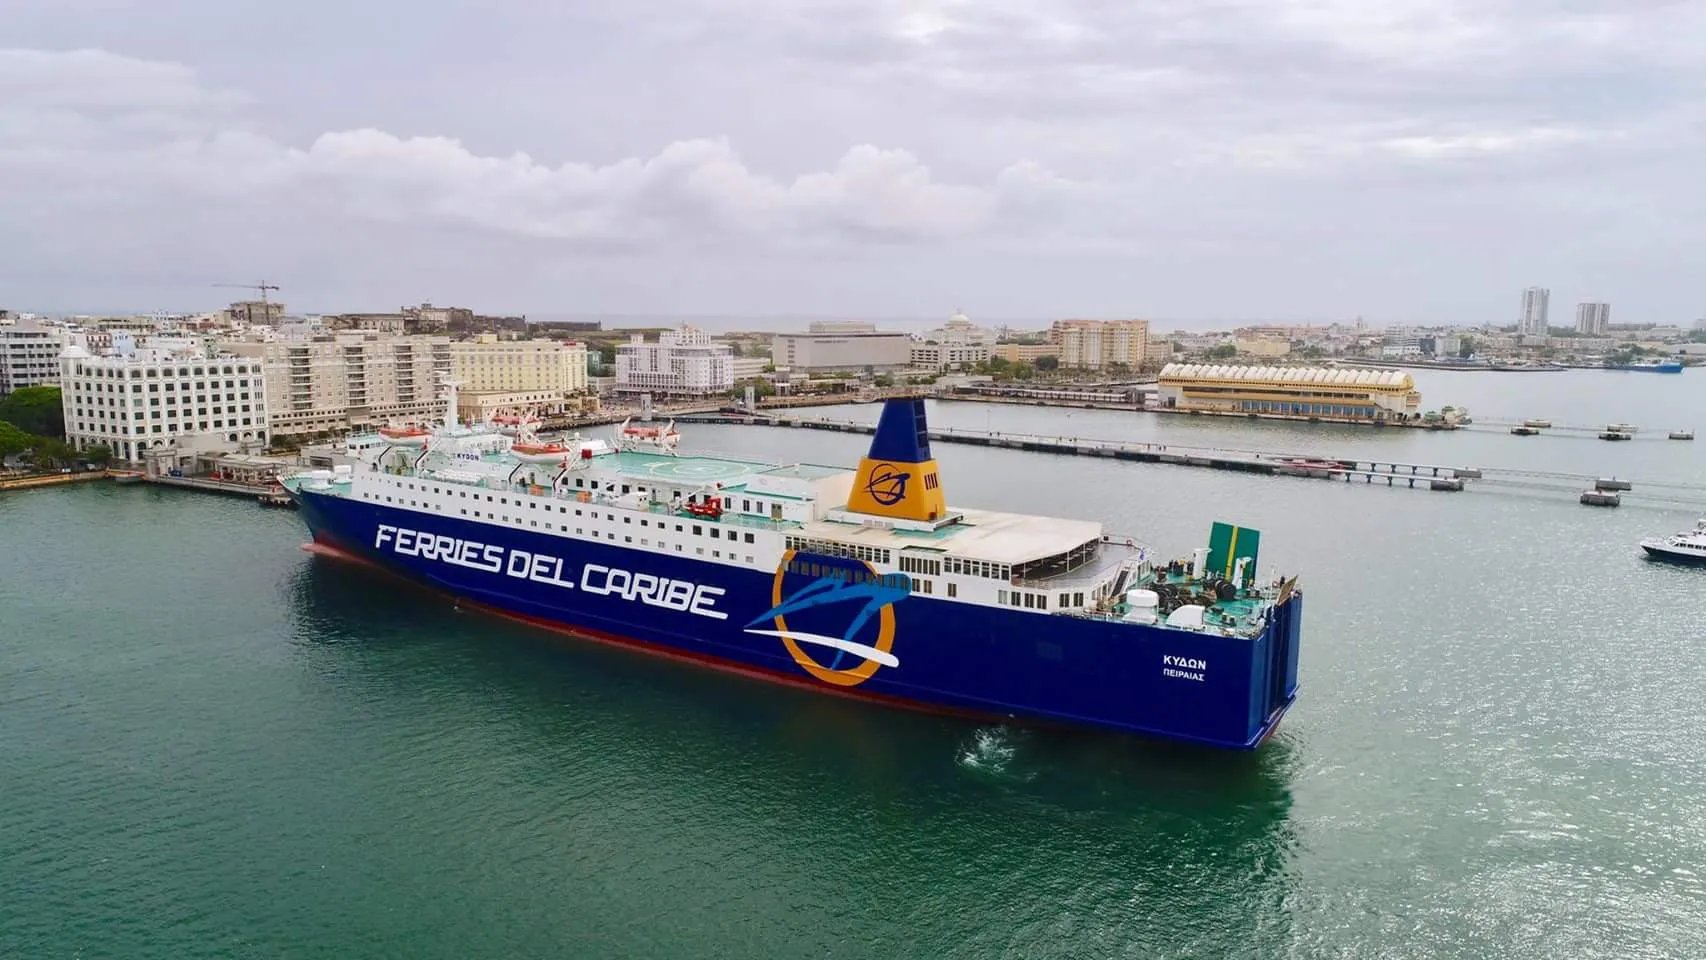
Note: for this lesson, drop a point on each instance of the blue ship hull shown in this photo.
(1668, 367)
(961, 658)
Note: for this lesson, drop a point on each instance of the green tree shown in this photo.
(34, 410)
(14, 441)
(97, 454)
(760, 389)
(1466, 348)
(1047, 364)
(49, 452)
(1225, 351)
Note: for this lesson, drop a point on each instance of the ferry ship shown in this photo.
(863, 583)
(1648, 366)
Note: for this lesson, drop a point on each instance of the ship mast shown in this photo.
(450, 400)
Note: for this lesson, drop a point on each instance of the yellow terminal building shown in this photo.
(1326, 393)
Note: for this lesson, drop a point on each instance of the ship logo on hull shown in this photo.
(827, 585)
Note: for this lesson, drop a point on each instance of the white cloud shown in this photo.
(1176, 157)
(135, 124)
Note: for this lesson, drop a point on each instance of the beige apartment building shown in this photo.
(1026, 352)
(350, 381)
(489, 365)
(1099, 344)
(545, 377)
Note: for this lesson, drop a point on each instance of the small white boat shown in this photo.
(1688, 547)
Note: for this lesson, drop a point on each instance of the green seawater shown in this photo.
(214, 744)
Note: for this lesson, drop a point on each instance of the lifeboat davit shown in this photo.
(541, 452)
(405, 436)
(663, 438)
(510, 424)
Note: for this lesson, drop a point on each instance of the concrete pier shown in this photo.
(1427, 476)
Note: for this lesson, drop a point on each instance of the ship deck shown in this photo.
(685, 469)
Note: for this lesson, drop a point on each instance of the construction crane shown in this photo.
(263, 287)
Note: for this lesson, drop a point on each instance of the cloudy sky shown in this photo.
(1185, 160)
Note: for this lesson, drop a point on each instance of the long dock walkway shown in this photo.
(212, 486)
(1391, 473)
(1635, 433)
(1348, 469)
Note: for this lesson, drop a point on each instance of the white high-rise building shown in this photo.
(133, 400)
(1593, 319)
(682, 363)
(1533, 321)
(29, 355)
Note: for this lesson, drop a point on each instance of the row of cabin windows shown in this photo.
(900, 581)
(977, 568)
(921, 565)
(832, 548)
(811, 568)
(716, 533)
(1037, 601)
(746, 506)
(644, 542)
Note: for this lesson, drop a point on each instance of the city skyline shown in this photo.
(1286, 161)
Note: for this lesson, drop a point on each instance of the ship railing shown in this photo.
(656, 508)
(1115, 554)
(680, 453)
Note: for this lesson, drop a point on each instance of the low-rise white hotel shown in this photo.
(167, 394)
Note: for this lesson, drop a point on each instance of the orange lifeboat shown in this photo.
(410, 436)
(540, 452)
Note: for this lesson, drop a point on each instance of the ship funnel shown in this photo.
(898, 476)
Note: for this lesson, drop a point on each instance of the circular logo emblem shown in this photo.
(886, 485)
(841, 607)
